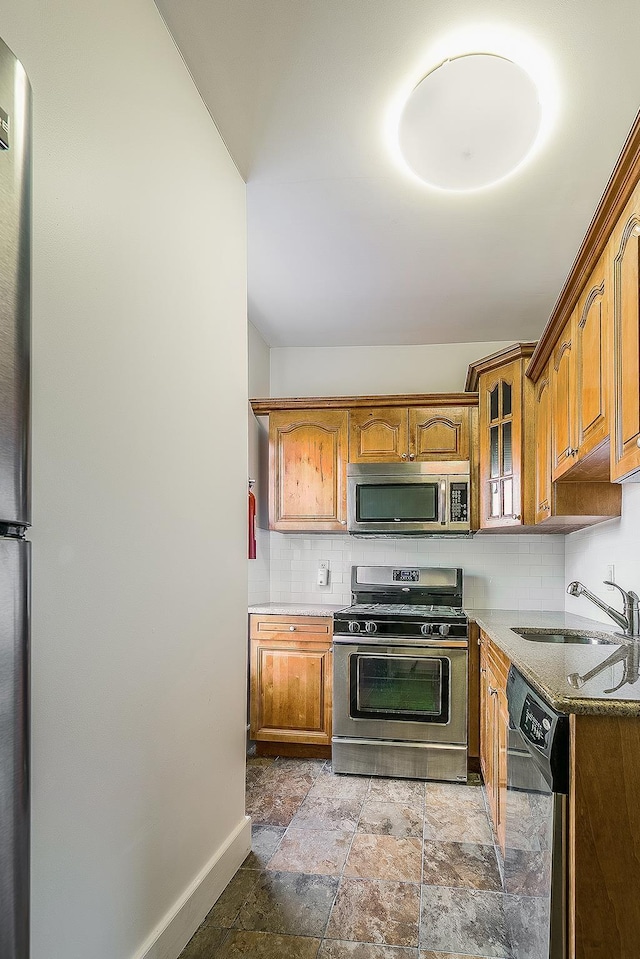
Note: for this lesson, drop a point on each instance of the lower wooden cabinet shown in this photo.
(291, 684)
(494, 731)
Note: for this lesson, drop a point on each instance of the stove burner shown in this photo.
(402, 609)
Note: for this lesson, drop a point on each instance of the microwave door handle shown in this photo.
(443, 502)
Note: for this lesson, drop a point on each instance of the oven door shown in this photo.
(400, 692)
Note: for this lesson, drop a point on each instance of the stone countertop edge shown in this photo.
(294, 609)
(545, 665)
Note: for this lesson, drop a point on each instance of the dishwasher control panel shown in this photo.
(535, 723)
(543, 732)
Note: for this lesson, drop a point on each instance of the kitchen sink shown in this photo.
(567, 638)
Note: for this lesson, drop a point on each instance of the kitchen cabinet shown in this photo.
(415, 434)
(307, 470)
(562, 401)
(378, 435)
(592, 335)
(312, 438)
(565, 505)
(593, 340)
(473, 693)
(494, 731)
(291, 684)
(604, 837)
(579, 378)
(542, 412)
(505, 437)
(625, 445)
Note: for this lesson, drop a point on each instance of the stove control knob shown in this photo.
(354, 627)
(425, 629)
(444, 629)
(370, 627)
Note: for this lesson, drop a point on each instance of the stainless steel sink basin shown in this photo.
(567, 638)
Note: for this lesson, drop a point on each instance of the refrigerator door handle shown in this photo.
(15, 577)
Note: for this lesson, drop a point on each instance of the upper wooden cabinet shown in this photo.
(416, 434)
(579, 377)
(625, 446)
(439, 434)
(307, 467)
(310, 439)
(506, 429)
(596, 321)
(592, 338)
(542, 407)
(562, 505)
(562, 403)
(378, 435)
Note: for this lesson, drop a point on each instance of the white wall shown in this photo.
(588, 552)
(140, 464)
(361, 370)
(259, 385)
(503, 572)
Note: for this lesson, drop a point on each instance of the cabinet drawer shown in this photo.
(312, 628)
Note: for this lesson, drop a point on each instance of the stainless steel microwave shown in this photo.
(400, 498)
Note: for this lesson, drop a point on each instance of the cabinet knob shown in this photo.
(404, 456)
(412, 456)
(492, 691)
(638, 442)
(292, 629)
(518, 516)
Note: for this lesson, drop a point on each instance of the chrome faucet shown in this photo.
(629, 621)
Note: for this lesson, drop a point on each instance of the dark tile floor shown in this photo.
(351, 867)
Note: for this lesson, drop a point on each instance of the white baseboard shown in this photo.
(178, 925)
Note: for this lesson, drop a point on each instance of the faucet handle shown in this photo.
(630, 598)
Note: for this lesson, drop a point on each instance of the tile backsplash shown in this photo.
(503, 572)
(259, 569)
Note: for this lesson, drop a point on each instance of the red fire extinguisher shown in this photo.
(252, 522)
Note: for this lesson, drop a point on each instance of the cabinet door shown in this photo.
(501, 447)
(307, 470)
(502, 742)
(625, 446)
(486, 722)
(438, 434)
(378, 435)
(543, 448)
(291, 692)
(592, 363)
(562, 404)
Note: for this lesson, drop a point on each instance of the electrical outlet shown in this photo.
(611, 575)
(323, 572)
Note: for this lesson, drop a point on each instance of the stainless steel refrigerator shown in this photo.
(15, 502)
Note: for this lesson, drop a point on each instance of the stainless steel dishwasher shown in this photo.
(535, 865)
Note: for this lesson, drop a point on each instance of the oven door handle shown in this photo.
(403, 641)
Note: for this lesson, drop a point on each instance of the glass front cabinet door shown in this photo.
(503, 391)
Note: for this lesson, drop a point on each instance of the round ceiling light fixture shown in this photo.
(470, 122)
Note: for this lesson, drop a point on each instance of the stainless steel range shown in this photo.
(400, 675)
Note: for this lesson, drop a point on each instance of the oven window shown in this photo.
(386, 502)
(400, 687)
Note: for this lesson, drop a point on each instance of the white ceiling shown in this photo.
(345, 249)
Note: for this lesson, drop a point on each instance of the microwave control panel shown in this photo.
(459, 502)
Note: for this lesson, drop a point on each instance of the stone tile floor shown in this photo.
(352, 867)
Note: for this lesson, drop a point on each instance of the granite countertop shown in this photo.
(295, 609)
(547, 665)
